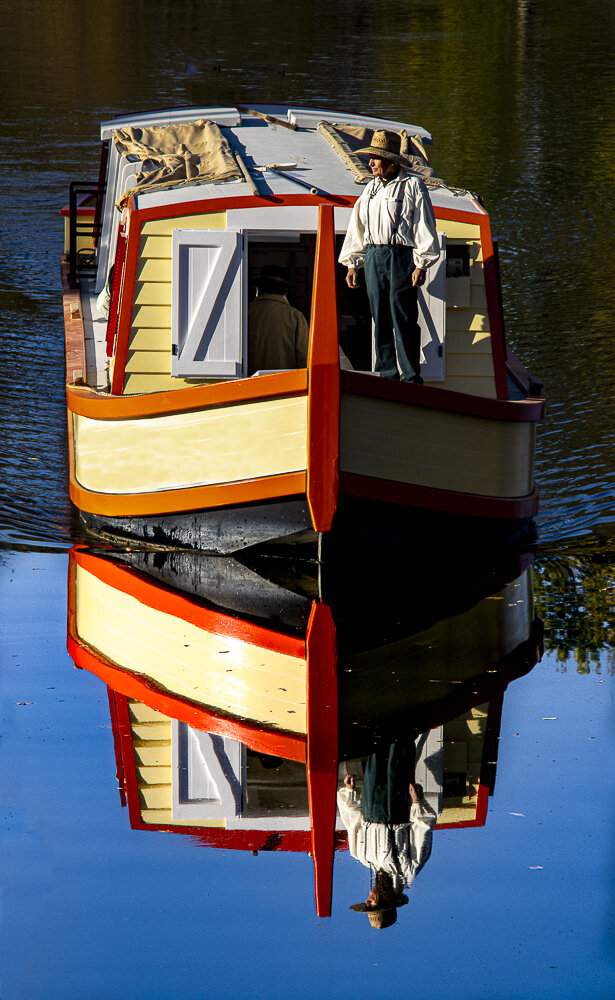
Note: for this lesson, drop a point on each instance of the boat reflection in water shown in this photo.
(239, 700)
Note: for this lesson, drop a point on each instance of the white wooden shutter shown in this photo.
(432, 317)
(208, 334)
(208, 774)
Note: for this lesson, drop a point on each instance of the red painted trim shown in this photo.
(498, 348)
(458, 215)
(447, 501)
(157, 597)
(126, 302)
(324, 381)
(227, 203)
(124, 731)
(434, 398)
(116, 287)
(87, 402)
(117, 746)
(322, 748)
(190, 498)
(142, 689)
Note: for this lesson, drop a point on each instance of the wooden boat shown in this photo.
(194, 685)
(171, 441)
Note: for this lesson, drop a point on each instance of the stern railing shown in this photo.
(82, 260)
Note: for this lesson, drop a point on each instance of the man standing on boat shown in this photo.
(392, 236)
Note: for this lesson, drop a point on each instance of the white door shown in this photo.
(432, 317)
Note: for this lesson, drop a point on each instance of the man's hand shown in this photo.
(349, 781)
(352, 278)
(418, 277)
(416, 793)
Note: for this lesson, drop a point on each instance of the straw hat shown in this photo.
(387, 146)
(381, 916)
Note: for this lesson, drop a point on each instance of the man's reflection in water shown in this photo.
(390, 828)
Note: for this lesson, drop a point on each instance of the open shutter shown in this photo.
(208, 779)
(432, 317)
(207, 315)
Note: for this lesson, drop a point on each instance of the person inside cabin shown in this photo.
(390, 828)
(392, 238)
(278, 333)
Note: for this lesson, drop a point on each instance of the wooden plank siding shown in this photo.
(463, 751)
(148, 361)
(468, 355)
(151, 741)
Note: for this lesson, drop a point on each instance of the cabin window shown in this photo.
(458, 287)
(208, 335)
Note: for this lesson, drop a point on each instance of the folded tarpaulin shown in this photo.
(346, 139)
(196, 152)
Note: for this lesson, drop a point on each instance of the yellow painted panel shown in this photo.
(152, 293)
(469, 364)
(154, 775)
(146, 339)
(477, 273)
(143, 713)
(150, 730)
(223, 444)
(465, 319)
(155, 246)
(458, 230)
(140, 383)
(223, 673)
(464, 729)
(154, 756)
(478, 297)
(156, 362)
(164, 227)
(152, 316)
(466, 342)
(155, 796)
(457, 814)
(154, 269)
(475, 386)
(164, 817)
(448, 451)
(458, 292)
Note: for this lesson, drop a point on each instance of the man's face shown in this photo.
(382, 168)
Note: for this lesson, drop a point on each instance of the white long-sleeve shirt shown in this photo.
(375, 215)
(400, 849)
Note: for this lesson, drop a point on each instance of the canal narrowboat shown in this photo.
(173, 440)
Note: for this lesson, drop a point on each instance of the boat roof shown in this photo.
(264, 135)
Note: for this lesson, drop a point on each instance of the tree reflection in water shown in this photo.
(575, 597)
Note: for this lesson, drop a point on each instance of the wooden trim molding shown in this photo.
(86, 402)
(447, 400)
(190, 498)
(446, 501)
(324, 382)
(322, 749)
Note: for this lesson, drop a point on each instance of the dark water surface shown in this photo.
(520, 98)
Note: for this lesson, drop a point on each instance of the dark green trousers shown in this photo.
(394, 308)
(388, 772)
